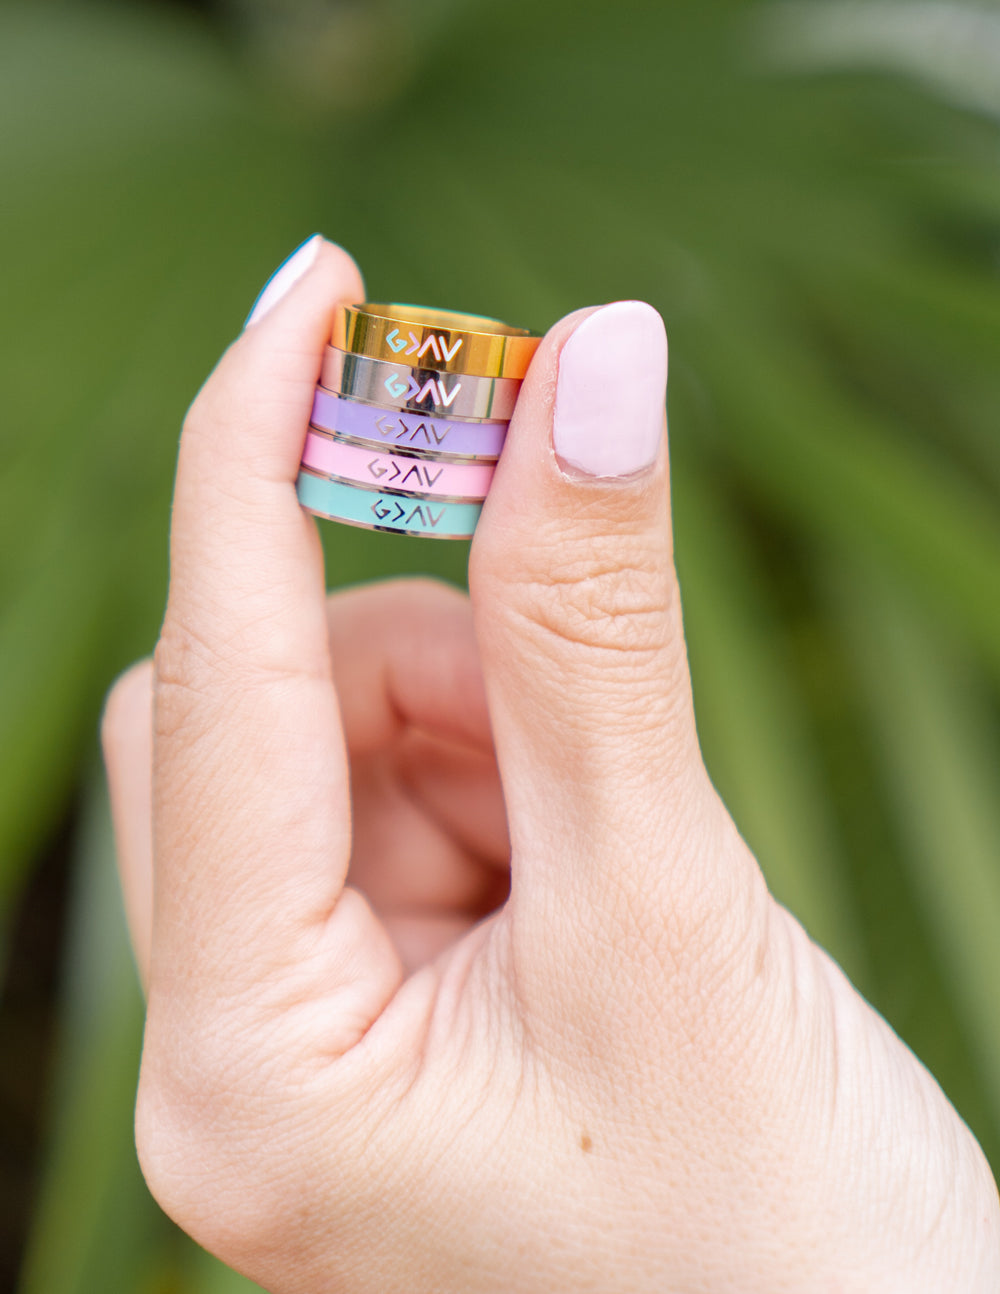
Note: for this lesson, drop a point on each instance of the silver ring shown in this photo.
(420, 390)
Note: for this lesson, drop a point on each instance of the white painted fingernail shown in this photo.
(611, 392)
(284, 278)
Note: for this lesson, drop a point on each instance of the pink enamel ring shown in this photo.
(428, 478)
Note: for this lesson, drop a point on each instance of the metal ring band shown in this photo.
(374, 510)
(421, 390)
(451, 343)
(479, 441)
(422, 478)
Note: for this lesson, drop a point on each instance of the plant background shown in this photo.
(810, 193)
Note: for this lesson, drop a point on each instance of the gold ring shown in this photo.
(435, 339)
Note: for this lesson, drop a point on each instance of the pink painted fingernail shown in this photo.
(284, 278)
(611, 391)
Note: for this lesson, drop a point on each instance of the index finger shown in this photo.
(250, 791)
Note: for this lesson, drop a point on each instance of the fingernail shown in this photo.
(284, 277)
(611, 391)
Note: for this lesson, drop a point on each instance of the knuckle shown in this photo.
(204, 687)
(193, 667)
(273, 368)
(191, 1181)
(182, 664)
(161, 1145)
(596, 595)
(607, 629)
(407, 592)
(428, 588)
(617, 610)
(127, 702)
(181, 653)
(212, 1138)
(207, 407)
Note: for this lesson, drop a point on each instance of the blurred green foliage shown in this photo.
(824, 248)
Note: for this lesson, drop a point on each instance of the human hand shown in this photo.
(638, 1073)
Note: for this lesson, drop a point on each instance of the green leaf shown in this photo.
(94, 1215)
(754, 721)
(843, 476)
(935, 722)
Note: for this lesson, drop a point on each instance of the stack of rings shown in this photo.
(396, 445)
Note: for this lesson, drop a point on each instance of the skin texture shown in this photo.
(459, 976)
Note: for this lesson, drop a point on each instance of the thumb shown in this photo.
(579, 620)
